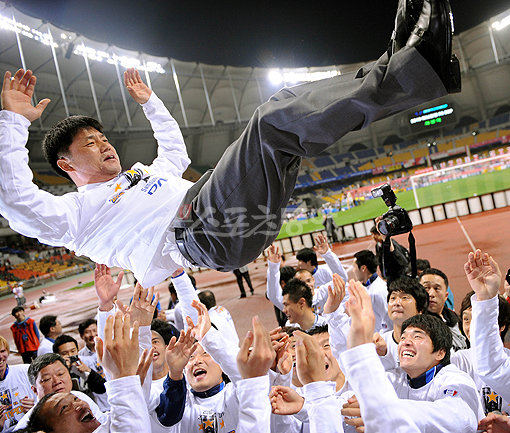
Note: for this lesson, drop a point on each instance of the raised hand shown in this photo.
(362, 315)
(106, 288)
(495, 423)
(203, 324)
(144, 363)
(352, 413)
(321, 244)
(273, 254)
(142, 306)
(138, 90)
(310, 364)
(257, 361)
(336, 294)
(380, 344)
(17, 94)
(178, 353)
(483, 275)
(285, 401)
(118, 353)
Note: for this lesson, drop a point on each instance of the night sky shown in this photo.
(257, 33)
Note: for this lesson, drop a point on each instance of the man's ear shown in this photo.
(34, 389)
(301, 302)
(64, 164)
(440, 354)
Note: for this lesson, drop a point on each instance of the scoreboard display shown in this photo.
(431, 118)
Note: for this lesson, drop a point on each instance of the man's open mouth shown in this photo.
(88, 417)
(407, 354)
(199, 372)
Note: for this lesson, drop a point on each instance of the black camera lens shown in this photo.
(387, 225)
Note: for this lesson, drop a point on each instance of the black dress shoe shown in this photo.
(408, 12)
(242, 296)
(432, 37)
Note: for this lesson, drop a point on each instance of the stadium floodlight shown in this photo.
(501, 24)
(294, 76)
(275, 77)
(112, 59)
(12, 25)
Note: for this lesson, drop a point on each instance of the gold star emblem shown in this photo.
(492, 397)
(200, 426)
(117, 187)
(222, 423)
(208, 423)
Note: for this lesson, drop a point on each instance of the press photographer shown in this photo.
(393, 258)
(84, 378)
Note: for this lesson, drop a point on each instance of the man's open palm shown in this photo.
(17, 95)
(138, 90)
(483, 275)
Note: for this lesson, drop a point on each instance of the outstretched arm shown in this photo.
(172, 154)
(331, 259)
(222, 351)
(29, 210)
(274, 290)
(119, 355)
(492, 362)
(254, 360)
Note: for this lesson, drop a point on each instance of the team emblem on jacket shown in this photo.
(208, 422)
(450, 392)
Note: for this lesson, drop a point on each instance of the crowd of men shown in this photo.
(382, 352)
(358, 355)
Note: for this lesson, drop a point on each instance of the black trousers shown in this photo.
(238, 211)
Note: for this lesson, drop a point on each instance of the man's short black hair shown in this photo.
(165, 330)
(58, 139)
(434, 271)
(37, 422)
(286, 273)
(321, 329)
(16, 309)
(374, 230)
(297, 289)
(85, 324)
(436, 329)
(503, 314)
(422, 264)
(207, 298)
(46, 323)
(412, 287)
(63, 339)
(40, 362)
(307, 255)
(367, 258)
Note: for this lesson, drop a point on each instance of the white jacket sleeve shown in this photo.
(382, 410)
(491, 361)
(323, 409)
(223, 352)
(338, 326)
(29, 210)
(186, 293)
(274, 290)
(144, 342)
(254, 405)
(335, 265)
(172, 154)
(128, 413)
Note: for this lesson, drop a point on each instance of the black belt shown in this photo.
(186, 217)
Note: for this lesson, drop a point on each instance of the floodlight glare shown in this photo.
(501, 24)
(275, 77)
